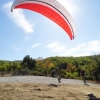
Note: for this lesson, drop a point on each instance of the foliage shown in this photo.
(28, 62)
(69, 67)
(25, 71)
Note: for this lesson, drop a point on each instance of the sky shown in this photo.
(25, 32)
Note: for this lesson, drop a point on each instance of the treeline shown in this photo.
(69, 67)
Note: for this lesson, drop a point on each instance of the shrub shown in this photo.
(25, 71)
(70, 75)
(75, 75)
(63, 74)
(36, 73)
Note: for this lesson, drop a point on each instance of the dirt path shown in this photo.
(42, 79)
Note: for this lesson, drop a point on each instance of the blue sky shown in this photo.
(25, 32)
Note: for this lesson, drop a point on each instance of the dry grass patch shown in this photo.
(30, 91)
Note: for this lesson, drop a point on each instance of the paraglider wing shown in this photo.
(52, 10)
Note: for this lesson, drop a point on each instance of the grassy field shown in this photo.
(30, 91)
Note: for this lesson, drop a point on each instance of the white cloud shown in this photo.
(35, 45)
(93, 46)
(18, 17)
(84, 49)
(56, 47)
(69, 6)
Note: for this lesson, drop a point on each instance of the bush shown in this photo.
(99, 77)
(63, 74)
(75, 75)
(89, 77)
(36, 73)
(25, 71)
(70, 75)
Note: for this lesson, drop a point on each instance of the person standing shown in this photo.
(82, 73)
(56, 73)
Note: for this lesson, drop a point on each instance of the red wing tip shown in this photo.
(72, 38)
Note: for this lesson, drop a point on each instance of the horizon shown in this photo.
(41, 58)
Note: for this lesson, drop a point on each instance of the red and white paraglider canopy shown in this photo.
(51, 9)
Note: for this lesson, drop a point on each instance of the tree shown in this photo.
(96, 67)
(28, 62)
(62, 66)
